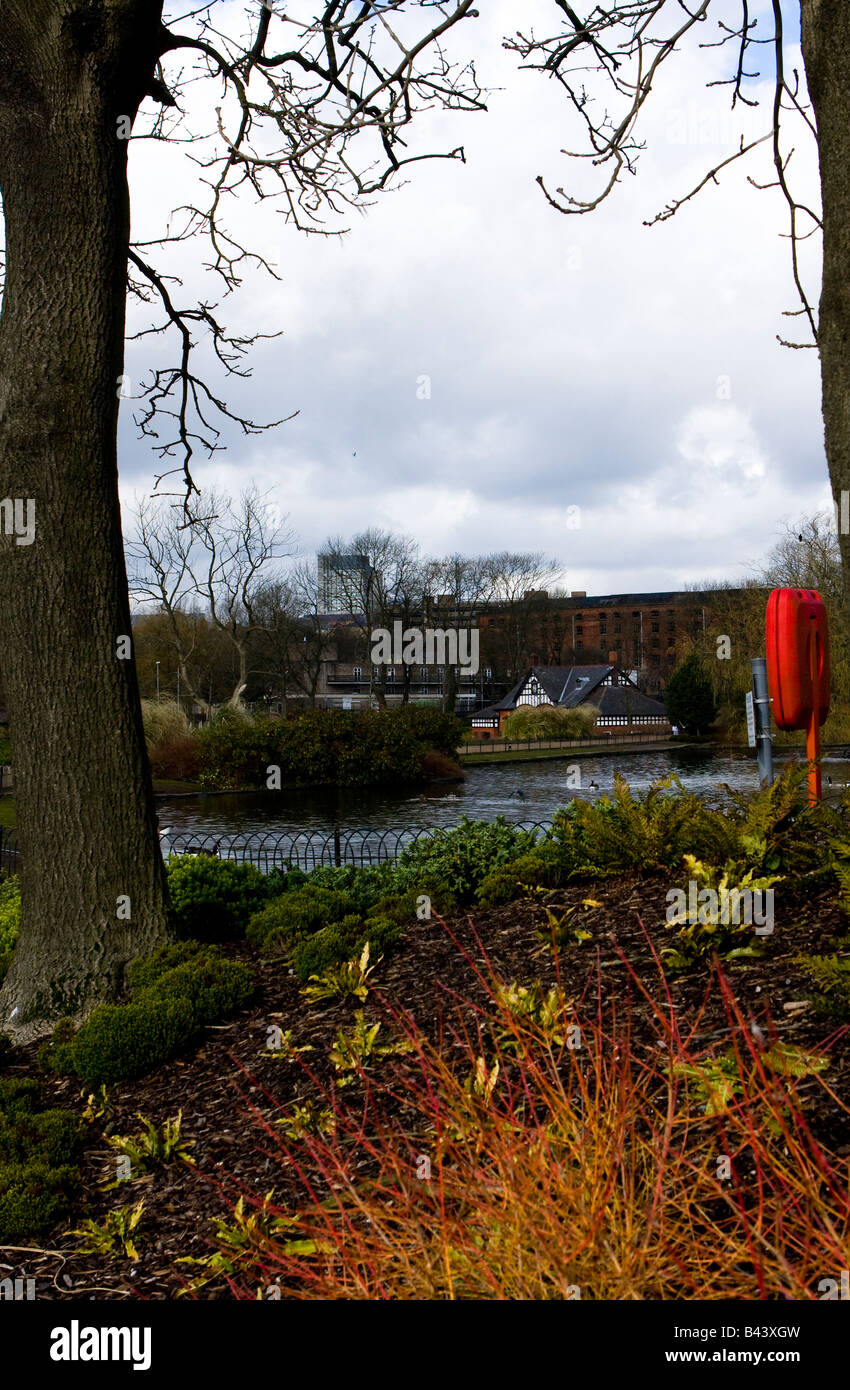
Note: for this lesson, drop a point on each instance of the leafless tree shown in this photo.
(623, 46)
(221, 557)
(292, 640)
(515, 581)
(376, 591)
(458, 586)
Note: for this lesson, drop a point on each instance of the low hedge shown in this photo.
(543, 867)
(212, 899)
(214, 988)
(39, 1177)
(119, 1042)
(285, 920)
(175, 994)
(34, 1196)
(343, 941)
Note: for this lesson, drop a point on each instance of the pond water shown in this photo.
(486, 792)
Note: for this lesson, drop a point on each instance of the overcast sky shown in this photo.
(585, 363)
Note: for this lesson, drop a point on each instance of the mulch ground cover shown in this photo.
(438, 976)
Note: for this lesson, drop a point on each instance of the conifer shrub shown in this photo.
(542, 867)
(57, 1054)
(119, 1042)
(459, 860)
(17, 1094)
(51, 1134)
(342, 941)
(286, 919)
(39, 1178)
(176, 992)
(212, 899)
(34, 1196)
(147, 970)
(214, 988)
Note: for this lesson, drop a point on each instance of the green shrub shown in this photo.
(39, 1180)
(459, 860)
(362, 886)
(57, 1055)
(342, 941)
(542, 867)
(212, 899)
(10, 913)
(213, 987)
(34, 1196)
(176, 992)
(145, 971)
(295, 915)
(121, 1041)
(283, 880)
(18, 1095)
(52, 1136)
(315, 747)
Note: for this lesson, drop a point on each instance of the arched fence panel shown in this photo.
(311, 849)
(302, 849)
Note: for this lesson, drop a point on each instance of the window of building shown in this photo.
(655, 627)
(358, 673)
(488, 673)
(579, 629)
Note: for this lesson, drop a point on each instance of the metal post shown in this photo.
(761, 703)
(337, 848)
(157, 682)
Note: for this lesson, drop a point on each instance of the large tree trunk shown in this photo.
(826, 51)
(87, 825)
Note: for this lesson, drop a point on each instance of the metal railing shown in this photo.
(308, 849)
(304, 849)
(8, 851)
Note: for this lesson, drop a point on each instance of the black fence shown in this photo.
(306, 849)
(8, 851)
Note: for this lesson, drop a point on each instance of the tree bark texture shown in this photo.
(85, 810)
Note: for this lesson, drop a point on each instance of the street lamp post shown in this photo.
(157, 682)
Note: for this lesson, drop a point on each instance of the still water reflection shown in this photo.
(528, 791)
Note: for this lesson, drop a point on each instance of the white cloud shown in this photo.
(573, 360)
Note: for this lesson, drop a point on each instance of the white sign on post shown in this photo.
(751, 720)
